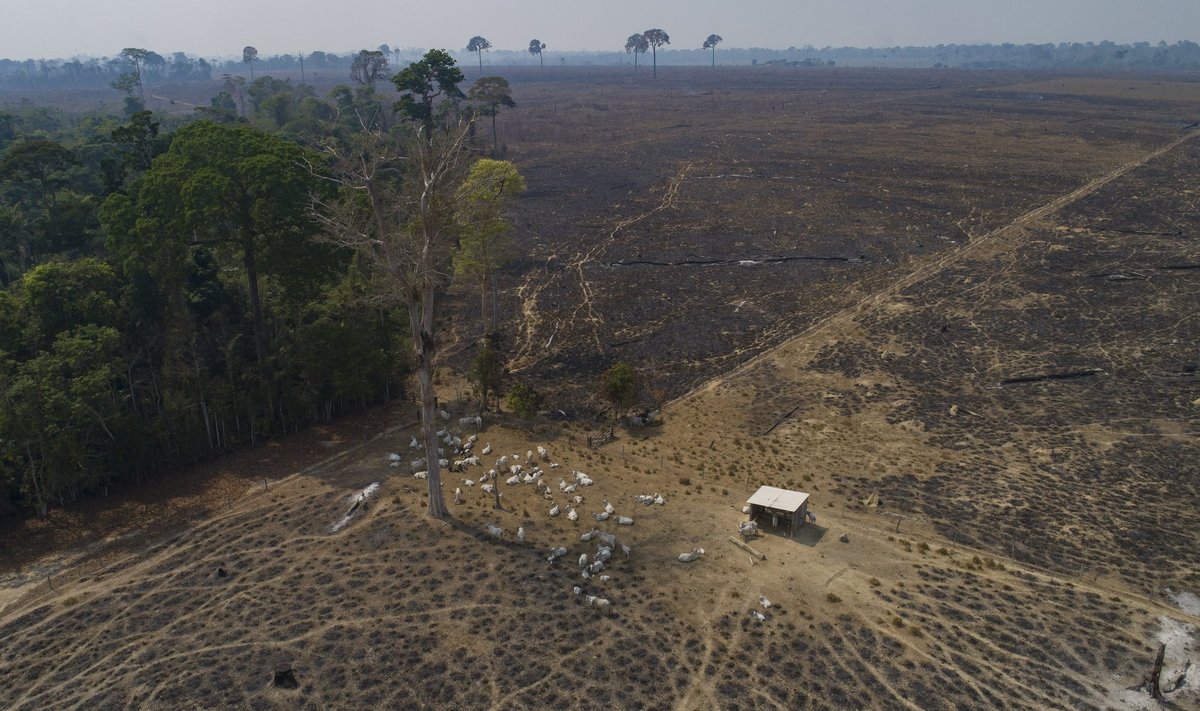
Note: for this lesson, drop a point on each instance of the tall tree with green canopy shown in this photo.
(232, 189)
(711, 42)
(38, 165)
(43, 216)
(479, 45)
(58, 400)
(656, 38)
(636, 44)
(489, 94)
(62, 296)
(137, 144)
(422, 83)
(536, 47)
(58, 407)
(368, 67)
(485, 242)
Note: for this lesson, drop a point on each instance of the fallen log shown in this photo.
(1148, 233)
(1066, 375)
(1180, 266)
(730, 262)
(778, 422)
(1119, 276)
(631, 341)
(748, 548)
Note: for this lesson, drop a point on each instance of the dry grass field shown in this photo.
(927, 248)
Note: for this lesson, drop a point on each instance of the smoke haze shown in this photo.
(62, 28)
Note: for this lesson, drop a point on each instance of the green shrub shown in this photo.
(523, 400)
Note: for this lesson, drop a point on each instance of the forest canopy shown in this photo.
(169, 292)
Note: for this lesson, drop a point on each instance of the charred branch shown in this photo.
(1062, 375)
(778, 422)
(730, 262)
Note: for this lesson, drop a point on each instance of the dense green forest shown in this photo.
(169, 292)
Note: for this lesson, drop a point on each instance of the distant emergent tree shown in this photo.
(489, 94)
(249, 56)
(636, 44)
(656, 38)
(368, 67)
(536, 47)
(421, 83)
(711, 43)
(131, 81)
(478, 45)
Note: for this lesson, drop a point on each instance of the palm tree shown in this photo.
(711, 43)
(537, 47)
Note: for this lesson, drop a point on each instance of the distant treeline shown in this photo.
(58, 73)
(155, 68)
(165, 295)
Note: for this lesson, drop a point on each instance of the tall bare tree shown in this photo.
(637, 45)
(711, 43)
(656, 38)
(400, 210)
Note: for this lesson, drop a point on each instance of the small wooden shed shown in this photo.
(778, 506)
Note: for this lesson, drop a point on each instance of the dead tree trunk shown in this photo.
(420, 313)
(1156, 672)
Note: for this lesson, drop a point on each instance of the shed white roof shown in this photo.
(781, 499)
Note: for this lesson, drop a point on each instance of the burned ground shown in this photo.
(986, 536)
(688, 225)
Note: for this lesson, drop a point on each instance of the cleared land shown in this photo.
(1029, 542)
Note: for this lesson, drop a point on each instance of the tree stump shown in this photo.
(285, 677)
(1156, 672)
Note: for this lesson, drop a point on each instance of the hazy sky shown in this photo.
(59, 28)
